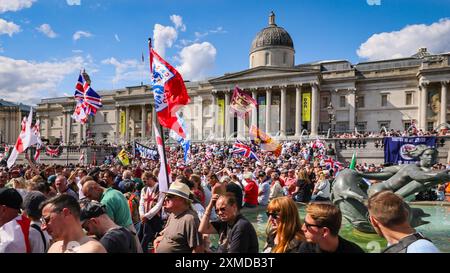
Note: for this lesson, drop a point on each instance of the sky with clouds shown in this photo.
(45, 43)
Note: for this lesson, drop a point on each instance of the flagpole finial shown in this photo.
(86, 77)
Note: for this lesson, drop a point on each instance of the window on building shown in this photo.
(361, 126)
(342, 126)
(409, 99)
(61, 121)
(267, 58)
(361, 102)
(430, 126)
(52, 122)
(284, 57)
(104, 135)
(105, 117)
(384, 123)
(325, 102)
(342, 100)
(384, 100)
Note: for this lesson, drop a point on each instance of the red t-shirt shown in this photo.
(251, 193)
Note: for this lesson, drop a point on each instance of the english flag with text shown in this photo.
(27, 138)
(164, 170)
(169, 92)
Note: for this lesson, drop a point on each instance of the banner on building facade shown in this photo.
(400, 150)
(306, 107)
(221, 113)
(145, 152)
(122, 123)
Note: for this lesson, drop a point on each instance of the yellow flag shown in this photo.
(122, 123)
(306, 106)
(221, 106)
(123, 157)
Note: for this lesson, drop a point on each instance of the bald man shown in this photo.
(116, 204)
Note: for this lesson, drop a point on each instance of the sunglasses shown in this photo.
(273, 214)
(221, 209)
(308, 225)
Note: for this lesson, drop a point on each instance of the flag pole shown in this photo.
(160, 126)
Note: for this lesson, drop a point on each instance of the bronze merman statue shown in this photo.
(350, 192)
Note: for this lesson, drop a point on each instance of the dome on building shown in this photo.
(272, 35)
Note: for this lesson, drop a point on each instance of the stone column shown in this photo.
(268, 108)
(127, 123)
(227, 115)
(352, 109)
(47, 127)
(80, 132)
(8, 127)
(154, 121)
(143, 118)
(215, 113)
(118, 109)
(444, 88)
(283, 112)
(298, 110)
(423, 106)
(255, 110)
(314, 109)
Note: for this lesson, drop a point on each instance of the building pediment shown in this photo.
(261, 73)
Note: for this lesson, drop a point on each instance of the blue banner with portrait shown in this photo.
(397, 149)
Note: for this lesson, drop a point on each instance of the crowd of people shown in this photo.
(119, 209)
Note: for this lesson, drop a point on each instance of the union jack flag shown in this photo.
(244, 150)
(333, 164)
(52, 152)
(86, 97)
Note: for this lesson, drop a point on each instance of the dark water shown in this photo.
(438, 230)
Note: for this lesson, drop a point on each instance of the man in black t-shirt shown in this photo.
(114, 238)
(236, 233)
(321, 227)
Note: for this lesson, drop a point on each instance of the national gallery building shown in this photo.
(292, 98)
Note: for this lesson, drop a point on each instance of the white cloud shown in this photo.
(15, 5)
(177, 20)
(47, 30)
(29, 82)
(218, 30)
(8, 28)
(79, 34)
(77, 51)
(197, 60)
(406, 42)
(127, 70)
(117, 37)
(73, 2)
(163, 36)
(199, 35)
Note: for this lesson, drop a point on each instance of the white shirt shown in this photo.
(11, 237)
(36, 242)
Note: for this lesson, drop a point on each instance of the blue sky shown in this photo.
(41, 54)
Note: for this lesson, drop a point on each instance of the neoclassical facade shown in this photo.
(11, 115)
(368, 96)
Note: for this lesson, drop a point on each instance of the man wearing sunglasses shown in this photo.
(61, 218)
(321, 227)
(236, 233)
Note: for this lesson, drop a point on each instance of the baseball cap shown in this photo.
(91, 209)
(31, 203)
(11, 198)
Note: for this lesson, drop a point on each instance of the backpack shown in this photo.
(402, 245)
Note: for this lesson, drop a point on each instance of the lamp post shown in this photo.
(331, 112)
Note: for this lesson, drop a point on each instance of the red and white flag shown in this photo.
(169, 91)
(241, 103)
(164, 170)
(26, 139)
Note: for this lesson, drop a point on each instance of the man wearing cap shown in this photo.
(39, 239)
(180, 235)
(114, 238)
(61, 218)
(14, 228)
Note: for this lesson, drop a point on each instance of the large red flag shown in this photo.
(169, 91)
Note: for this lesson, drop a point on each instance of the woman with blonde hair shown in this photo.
(284, 227)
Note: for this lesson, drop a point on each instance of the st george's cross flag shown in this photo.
(26, 139)
(169, 91)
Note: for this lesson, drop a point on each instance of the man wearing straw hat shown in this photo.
(180, 235)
